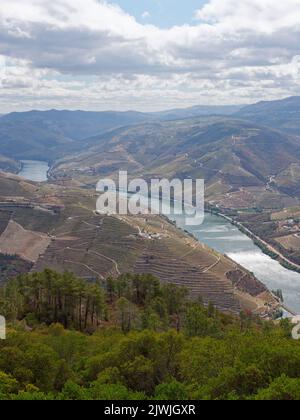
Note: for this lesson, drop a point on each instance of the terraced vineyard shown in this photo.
(159, 261)
(97, 246)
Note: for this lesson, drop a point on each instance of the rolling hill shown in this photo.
(47, 226)
(233, 156)
(51, 134)
(198, 111)
(283, 114)
(9, 165)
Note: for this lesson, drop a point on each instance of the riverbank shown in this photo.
(267, 250)
(230, 238)
(263, 245)
(225, 237)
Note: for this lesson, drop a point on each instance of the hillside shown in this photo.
(9, 165)
(55, 227)
(75, 125)
(283, 114)
(236, 158)
(136, 339)
(251, 171)
(51, 134)
(197, 111)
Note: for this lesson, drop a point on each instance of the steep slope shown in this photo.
(283, 114)
(229, 154)
(76, 125)
(9, 165)
(23, 140)
(47, 226)
(49, 134)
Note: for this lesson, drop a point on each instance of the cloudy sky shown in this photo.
(146, 54)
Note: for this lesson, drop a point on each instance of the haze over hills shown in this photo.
(228, 153)
(30, 134)
(198, 111)
(51, 134)
(9, 165)
(282, 114)
(246, 165)
(233, 153)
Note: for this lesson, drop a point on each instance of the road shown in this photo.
(266, 244)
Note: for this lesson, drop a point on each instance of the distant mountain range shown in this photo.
(283, 114)
(249, 158)
(197, 111)
(53, 134)
(49, 134)
(228, 153)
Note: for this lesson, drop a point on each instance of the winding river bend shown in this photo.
(221, 235)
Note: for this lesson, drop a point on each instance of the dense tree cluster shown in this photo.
(139, 340)
(49, 297)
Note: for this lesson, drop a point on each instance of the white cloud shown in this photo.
(262, 15)
(88, 53)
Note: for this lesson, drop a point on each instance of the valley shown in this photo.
(149, 203)
(251, 171)
(66, 235)
(251, 175)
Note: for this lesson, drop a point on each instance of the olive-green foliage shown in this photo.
(145, 347)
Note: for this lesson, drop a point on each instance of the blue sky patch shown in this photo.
(162, 13)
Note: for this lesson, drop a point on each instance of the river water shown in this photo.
(221, 235)
(33, 170)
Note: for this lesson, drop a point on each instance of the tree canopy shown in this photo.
(133, 338)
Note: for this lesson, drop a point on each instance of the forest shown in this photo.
(133, 338)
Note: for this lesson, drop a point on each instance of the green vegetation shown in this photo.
(133, 338)
(278, 293)
(11, 265)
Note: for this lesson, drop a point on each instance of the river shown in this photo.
(221, 235)
(34, 170)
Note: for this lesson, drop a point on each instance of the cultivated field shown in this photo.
(16, 240)
(72, 237)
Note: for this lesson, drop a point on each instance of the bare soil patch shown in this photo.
(27, 244)
(290, 242)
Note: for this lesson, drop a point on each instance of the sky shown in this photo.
(162, 13)
(146, 55)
